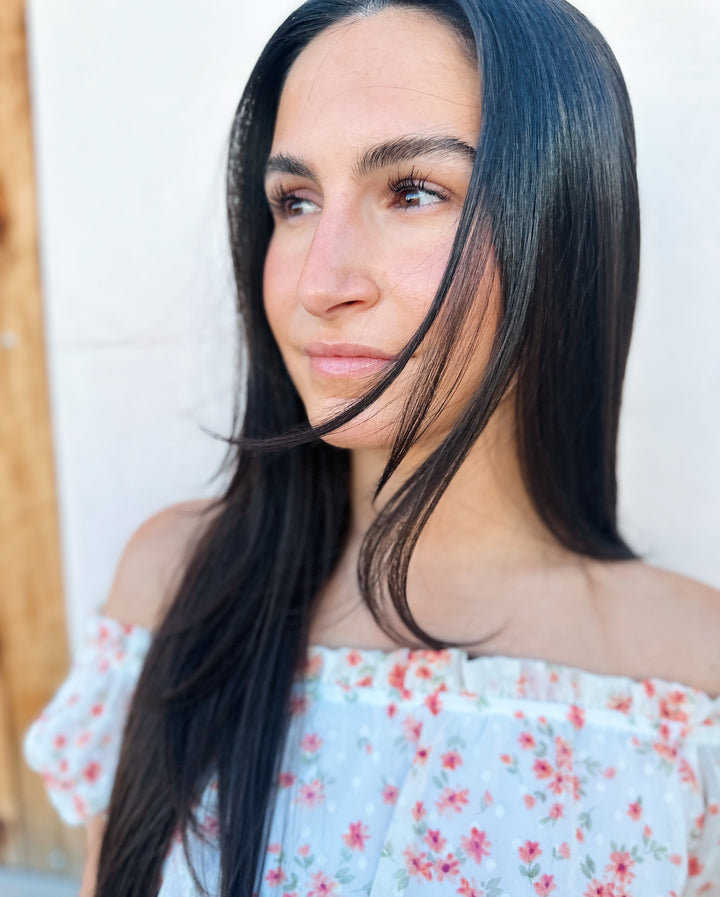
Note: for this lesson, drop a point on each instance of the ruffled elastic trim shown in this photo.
(404, 674)
(118, 643)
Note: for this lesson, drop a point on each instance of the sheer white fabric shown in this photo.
(426, 772)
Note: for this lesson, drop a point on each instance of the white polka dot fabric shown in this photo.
(429, 773)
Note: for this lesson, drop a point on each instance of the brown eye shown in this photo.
(285, 204)
(413, 193)
(295, 206)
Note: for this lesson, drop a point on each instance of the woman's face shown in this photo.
(370, 163)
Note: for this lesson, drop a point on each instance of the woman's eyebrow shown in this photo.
(389, 152)
(405, 149)
(284, 163)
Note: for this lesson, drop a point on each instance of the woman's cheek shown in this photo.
(419, 283)
(278, 287)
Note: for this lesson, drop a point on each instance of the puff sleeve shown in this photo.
(75, 742)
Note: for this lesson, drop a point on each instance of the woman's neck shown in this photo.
(481, 557)
(485, 511)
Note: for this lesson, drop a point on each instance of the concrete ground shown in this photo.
(32, 884)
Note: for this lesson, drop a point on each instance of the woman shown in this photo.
(408, 650)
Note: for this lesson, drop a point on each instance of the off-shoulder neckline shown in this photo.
(474, 669)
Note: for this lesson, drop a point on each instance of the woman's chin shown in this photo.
(358, 438)
(367, 431)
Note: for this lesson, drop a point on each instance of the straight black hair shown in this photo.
(553, 197)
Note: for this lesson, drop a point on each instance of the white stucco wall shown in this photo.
(133, 102)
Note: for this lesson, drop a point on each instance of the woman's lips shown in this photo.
(345, 366)
(346, 359)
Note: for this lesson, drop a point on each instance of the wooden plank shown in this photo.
(10, 818)
(33, 648)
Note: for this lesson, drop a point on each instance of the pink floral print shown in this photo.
(420, 773)
(75, 742)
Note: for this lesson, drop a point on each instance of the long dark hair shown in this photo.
(553, 196)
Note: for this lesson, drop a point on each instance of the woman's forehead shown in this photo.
(398, 69)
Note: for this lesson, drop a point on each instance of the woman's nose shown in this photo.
(338, 273)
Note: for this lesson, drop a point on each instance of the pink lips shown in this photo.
(345, 359)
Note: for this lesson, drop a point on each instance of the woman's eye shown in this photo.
(295, 206)
(288, 205)
(412, 195)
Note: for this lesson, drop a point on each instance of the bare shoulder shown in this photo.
(152, 562)
(670, 621)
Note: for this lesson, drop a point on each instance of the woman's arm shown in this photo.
(94, 834)
(145, 581)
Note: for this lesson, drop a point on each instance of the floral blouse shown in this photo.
(431, 773)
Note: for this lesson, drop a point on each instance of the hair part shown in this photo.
(553, 196)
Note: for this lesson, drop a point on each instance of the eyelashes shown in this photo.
(287, 205)
(415, 183)
(282, 202)
(404, 191)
